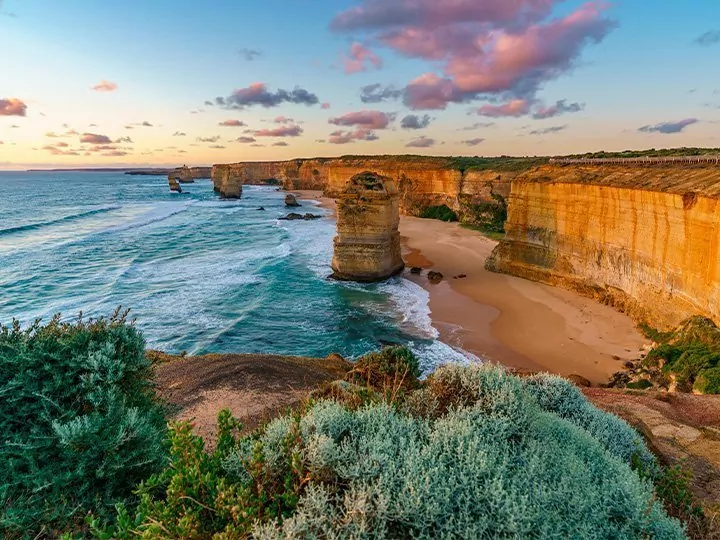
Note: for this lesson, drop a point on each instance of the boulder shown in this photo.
(290, 200)
(261, 208)
(435, 277)
(292, 216)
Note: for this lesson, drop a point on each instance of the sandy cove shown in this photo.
(509, 320)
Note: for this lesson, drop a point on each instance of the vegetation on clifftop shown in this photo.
(470, 452)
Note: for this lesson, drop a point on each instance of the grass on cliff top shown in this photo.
(652, 152)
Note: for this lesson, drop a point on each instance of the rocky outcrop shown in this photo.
(174, 185)
(644, 239)
(421, 181)
(231, 184)
(367, 246)
(188, 175)
(290, 200)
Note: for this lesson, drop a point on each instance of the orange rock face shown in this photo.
(421, 182)
(367, 246)
(643, 239)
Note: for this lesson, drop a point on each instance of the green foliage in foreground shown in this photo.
(441, 212)
(79, 424)
(690, 354)
(471, 453)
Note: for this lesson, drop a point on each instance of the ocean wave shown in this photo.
(433, 354)
(64, 219)
(157, 214)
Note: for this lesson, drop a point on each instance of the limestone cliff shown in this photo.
(644, 239)
(421, 181)
(367, 246)
(188, 175)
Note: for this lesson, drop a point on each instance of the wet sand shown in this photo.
(509, 320)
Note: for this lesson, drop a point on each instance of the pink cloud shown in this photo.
(232, 123)
(364, 119)
(105, 86)
(12, 107)
(325, 106)
(94, 138)
(500, 47)
(283, 120)
(515, 108)
(359, 57)
(345, 137)
(282, 131)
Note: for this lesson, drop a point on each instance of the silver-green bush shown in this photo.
(510, 459)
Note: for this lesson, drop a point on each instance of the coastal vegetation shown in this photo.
(687, 358)
(441, 212)
(86, 452)
(652, 152)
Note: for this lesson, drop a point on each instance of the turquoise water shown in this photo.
(200, 274)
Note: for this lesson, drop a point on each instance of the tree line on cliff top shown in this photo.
(469, 452)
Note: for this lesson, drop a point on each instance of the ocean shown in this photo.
(201, 275)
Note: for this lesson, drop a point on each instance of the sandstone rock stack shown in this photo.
(174, 184)
(367, 246)
(231, 184)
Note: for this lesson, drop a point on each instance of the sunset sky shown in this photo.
(167, 82)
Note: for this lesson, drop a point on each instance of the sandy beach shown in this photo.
(509, 320)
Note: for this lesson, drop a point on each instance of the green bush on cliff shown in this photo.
(473, 453)
(690, 354)
(79, 424)
(441, 212)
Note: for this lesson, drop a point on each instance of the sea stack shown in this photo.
(231, 184)
(183, 174)
(367, 246)
(174, 184)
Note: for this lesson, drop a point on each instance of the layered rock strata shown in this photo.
(421, 182)
(367, 246)
(644, 239)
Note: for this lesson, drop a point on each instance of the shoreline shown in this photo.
(504, 319)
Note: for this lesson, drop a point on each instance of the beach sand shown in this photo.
(508, 320)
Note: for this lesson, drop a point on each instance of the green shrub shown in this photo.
(79, 424)
(388, 370)
(508, 458)
(708, 381)
(442, 212)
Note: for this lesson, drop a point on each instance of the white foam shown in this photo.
(158, 212)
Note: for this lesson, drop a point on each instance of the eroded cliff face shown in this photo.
(644, 239)
(421, 182)
(367, 245)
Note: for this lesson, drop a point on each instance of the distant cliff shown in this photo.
(642, 238)
(464, 185)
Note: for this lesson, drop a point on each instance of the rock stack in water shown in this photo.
(231, 184)
(367, 246)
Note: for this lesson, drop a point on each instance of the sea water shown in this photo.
(200, 274)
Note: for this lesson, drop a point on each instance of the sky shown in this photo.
(171, 82)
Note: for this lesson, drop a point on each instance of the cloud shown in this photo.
(282, 131)
(105, 86)
(412, 121)
(258, 94)
(477, 125)
(358, 59)
(325, 105)
(94, 138)
(250, 54)
(245, 139)
(232, 123)
(214, 139)
(283, 120)
(668, 128)
(364, 119)
(377, 93)
(209, 103)
(560, 107)
(421, 142)
(281, 143)
(115, 153)
(548, 130)
(474, 142)
(216, 146)
(144, 123)
(514, 108)
(124, 140)
(345, 137)
(179, 134)
(505, 48)
(12, 107)
(711, 37)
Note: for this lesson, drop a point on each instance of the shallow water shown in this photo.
(200, 274)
